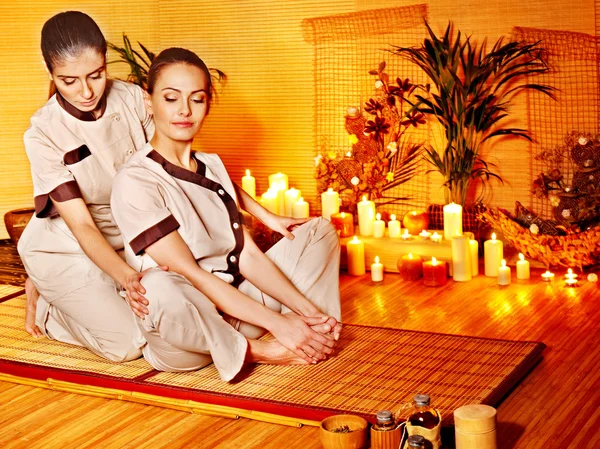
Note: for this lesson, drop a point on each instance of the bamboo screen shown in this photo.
(346, 47)
(573, 58)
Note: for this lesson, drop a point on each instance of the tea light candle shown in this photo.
(474, 244)
(570, 274)
(547, 276)
(330, 203)
(461, 258)
(366, 214)
(493, 252)
(503, 274)
(378, 227)
(249, 184)
(435, 238)
(523, 271)
(452, 220)
(424, 234)
(377, 270)
(300, 209)
(270, 201)
(405, 235)
(356, 257)
(571, 282)
(278, 181)
(411, 267)
(343, 223)
(393, 227)
(290, 197)
(435, 273)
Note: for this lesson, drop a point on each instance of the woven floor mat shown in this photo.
(375, 368)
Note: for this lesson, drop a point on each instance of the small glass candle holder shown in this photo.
(547, 276)
(436, 238)
(424, 234)
(405, 235)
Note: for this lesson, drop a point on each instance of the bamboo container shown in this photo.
(475, 427)
(386, 439)
(356, 439)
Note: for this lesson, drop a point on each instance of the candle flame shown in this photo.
(300, 200)
(433, 261)
(355, 240)
(330, 190)
(410, 256)
(503, 262)
(364, 198)
(570, 271)
(435, 234)
(405, 231)
(247, 172)
(343, 214)
(494, 236)
(376, 259)
(393, 217)
(378, 216)
(521, 256)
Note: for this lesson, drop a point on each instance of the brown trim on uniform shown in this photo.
(61, 193)
(199, 178)
(85, 116)
(76, 155)
(153, 234)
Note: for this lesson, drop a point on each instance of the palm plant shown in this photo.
(472, 97)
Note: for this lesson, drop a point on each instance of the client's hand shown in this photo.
(295, 333)
(135, 291)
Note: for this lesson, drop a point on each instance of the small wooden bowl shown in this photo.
(356, 439)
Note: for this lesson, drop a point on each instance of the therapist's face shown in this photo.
(180, 101)
(81, 80)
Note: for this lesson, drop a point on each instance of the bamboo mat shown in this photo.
(375, 368)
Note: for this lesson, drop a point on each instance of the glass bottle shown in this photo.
(385, 421)
(416, 442)
(422, 414)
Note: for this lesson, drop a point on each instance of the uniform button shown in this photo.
(236, 225)
(233, 259)
(221, 192)
(116, 117)
(129, 151)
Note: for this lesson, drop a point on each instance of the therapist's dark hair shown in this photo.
(177, 55)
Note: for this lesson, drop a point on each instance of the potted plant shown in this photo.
(471, 98)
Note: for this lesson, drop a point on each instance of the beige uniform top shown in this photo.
(72, 155)
(152, 197)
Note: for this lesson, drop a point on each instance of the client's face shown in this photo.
(179, 102)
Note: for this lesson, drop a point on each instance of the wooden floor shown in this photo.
(556, 406)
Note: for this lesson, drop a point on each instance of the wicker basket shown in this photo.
(580, 249)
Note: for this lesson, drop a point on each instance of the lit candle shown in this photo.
(366, 214)
(393, 227)
(503, 273)
(405, 235)
(435, 238)
(424, 234)
(291, 196)
(435, 273)
(343, 223)
(452, 220)
(547, 276)
(330, 203)
(356, 257)
(300, 209)
(571, 282)
(570, 274)
(411, 267)
(378, 227)
(493, 253)
(249, 184)
(474, 257)
(269, 201)
(461, 258)
(377, 270)
(278, 181)
(523, 268)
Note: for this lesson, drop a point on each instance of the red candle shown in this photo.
(435, 273)
(410, 267)
(343, 223)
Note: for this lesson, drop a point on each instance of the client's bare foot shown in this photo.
(271, 352)
(32, 299)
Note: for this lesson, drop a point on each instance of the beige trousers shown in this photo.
(184, 330)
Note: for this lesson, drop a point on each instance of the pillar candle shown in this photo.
(523, 268)
(411, 267)
(366, 214)
(461, 258)
(356, 257)
(503, 273)
(393, 227)
(343, 223)
(270, 201)
(278, 181)
(300, 209)
(330, 203)
(290, 197)
(474, 244)
(249, 184)
(280, 201)
(435, 273)
(493, 253)
(377, 270)
(452, 220)
(378, 227)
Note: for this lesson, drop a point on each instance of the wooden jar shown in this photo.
(475, 427)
